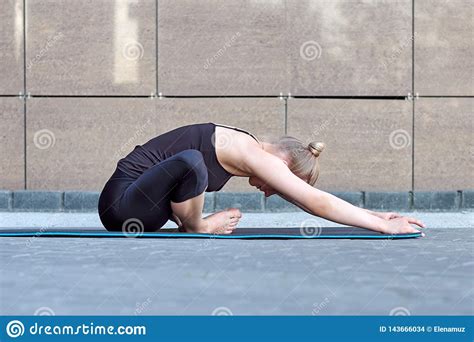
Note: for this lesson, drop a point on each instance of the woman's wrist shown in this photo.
(372, 212)
(381, 225)
(384, 226)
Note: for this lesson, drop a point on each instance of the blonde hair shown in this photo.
(303, 159)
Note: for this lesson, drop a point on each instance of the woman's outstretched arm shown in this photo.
(268, 167)
(382, 215)
(345, 213)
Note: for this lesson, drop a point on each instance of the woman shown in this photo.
(166, 178)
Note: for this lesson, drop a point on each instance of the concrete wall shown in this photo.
(80, 81)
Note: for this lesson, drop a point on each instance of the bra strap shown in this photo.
(239, 129)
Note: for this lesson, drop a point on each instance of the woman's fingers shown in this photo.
(416, 221)
(412, 229)
(402, 226)
(394, 215)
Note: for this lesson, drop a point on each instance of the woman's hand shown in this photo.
(402, 225)
(385, 216)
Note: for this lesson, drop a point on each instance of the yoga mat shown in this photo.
(239, 233)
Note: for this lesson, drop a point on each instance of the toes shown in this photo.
(234, 216)
(220, 231)
(235, 212)
(226, 230)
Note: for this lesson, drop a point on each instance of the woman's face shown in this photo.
(260, 185)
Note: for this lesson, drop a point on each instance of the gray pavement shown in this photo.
(457, 219)
(73, 276)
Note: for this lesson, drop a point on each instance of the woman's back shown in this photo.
(196, 137)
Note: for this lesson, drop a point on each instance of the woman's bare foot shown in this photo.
(222, 222)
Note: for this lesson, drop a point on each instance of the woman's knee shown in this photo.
(190, 156)
(194, 177)
(194, 161)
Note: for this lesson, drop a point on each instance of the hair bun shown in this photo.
(316, 148)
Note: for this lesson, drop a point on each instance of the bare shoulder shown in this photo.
(243, 156)
(232, 147)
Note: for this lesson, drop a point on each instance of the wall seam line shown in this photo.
(414, 98)
(24, 97)
(157, 91)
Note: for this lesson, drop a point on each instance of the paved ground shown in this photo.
(462, 219)
(66, 276)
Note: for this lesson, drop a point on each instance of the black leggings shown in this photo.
(142, 204)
